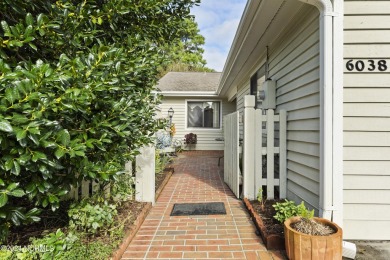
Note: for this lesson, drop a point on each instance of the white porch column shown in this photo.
(145, 175)
(249, 148)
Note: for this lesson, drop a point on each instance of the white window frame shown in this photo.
(202, 128)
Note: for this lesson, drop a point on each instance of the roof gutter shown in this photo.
(331, 93)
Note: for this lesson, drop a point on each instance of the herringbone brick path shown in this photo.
(198, 178)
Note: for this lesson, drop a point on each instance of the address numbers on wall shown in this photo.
(366, 65)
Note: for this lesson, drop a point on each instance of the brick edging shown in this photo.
(140, 219)
(130, 234)
(270, 241)
(165, 181)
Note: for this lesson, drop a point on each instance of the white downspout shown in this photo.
(338, 89)
(330, 198)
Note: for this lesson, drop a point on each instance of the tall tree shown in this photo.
(187, 54)
(75, 92)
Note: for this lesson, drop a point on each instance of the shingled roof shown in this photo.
(189, 82)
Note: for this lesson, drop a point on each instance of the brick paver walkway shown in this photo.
(198, 178)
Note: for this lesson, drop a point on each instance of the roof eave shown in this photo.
(257, 29)
(189, 93)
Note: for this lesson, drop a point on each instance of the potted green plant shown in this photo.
(306, 236)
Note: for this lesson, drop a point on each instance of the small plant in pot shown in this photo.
(306, 236)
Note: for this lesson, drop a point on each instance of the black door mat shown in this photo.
(186, 209)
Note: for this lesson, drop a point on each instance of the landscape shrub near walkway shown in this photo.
(75, 93)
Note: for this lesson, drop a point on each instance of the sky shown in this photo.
(218, 21)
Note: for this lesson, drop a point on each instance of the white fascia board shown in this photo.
(189, 93)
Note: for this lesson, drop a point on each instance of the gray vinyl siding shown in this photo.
(241, 93)
(206, 137)
(367, 123)
(294, 65)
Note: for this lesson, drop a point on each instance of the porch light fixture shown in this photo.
(170, 114)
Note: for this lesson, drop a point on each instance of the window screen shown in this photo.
(203, 114)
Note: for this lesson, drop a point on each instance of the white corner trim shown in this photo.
(338, 89)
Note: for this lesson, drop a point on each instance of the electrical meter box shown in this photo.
(268, 95)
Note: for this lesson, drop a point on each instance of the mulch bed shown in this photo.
(51, 221)
(271, 231)
(160, 177)
(131, 230)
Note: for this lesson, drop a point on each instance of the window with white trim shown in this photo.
(204, 114)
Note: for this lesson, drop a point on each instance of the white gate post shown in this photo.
(249, 148)
(145, 175)
(258, 150)
(270, 154)
(283, 154)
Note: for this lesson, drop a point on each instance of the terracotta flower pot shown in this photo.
(303, 246)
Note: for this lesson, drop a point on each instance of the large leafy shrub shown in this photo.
(75, 93)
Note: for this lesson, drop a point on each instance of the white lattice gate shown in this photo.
(259, 141)
(232, 152)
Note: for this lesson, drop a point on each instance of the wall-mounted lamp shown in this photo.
(170, 114)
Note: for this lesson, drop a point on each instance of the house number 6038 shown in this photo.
(370, 65)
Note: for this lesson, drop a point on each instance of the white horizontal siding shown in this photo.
(356, 182)
(366, 80)
(367, 109)
(294, 64)
(373, 196)
(367, 139)
(374, 124)
(359, 212)
(366, 229)
(379, 36)
(377, 51)
(367, 95)
(366, 22)
(367, 123)
(366, 168)
(366, 7)
(206, 137)
(367, 153)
